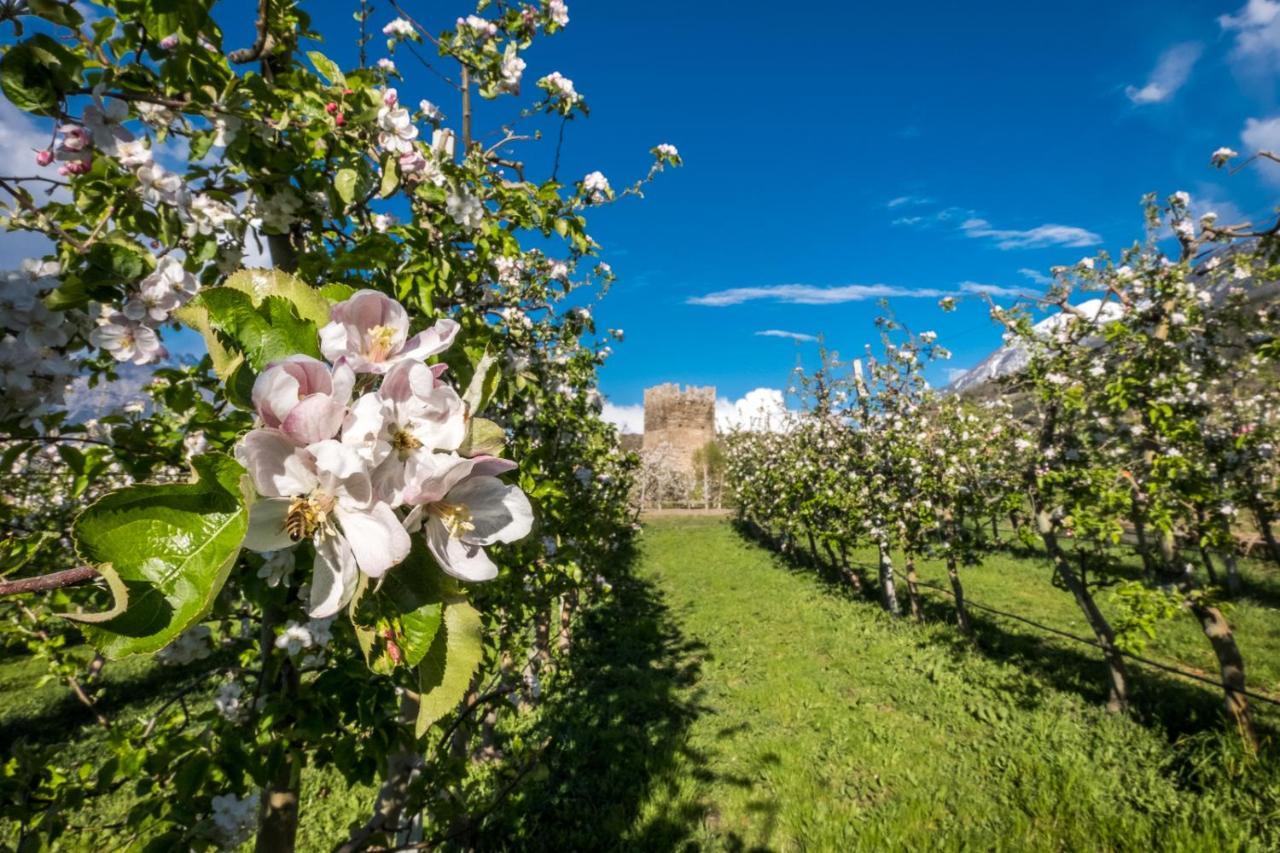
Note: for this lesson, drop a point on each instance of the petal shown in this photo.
(431, 342)
(365, 429)
(279, 468)
(342, 472)
(344, 379)
(266, 525)
(457, 558)
(333, 582)
(376, 536)
(335, 343)
(500, 513)
(315, 419)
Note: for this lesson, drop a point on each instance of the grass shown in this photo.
(721, 700)
(732, 704)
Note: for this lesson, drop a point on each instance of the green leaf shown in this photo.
(445, 673)
(390, 176)
(309, 302)
(264, 333)
(34, 74)
(484, 438)
(172, 545)
(58, 13)
(328, 69)
(397, 623)
(119, 599)
(336, 292)
(345, 183)
(483, 384)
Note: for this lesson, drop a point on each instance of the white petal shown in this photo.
(266, 525)
(279, 468)
(376, 536)
(457, 558)
(433, 341)
(334, 581)
(500, 513)
(316, 418)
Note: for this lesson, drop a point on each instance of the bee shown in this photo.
(300, 521)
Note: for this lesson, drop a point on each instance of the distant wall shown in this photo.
(684, 419)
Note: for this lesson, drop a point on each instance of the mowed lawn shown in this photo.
(726, 701)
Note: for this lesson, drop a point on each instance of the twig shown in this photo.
(44, 583)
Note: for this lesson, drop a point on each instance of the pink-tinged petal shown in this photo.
(333, 582)
(312, 374)
(266, 525)
(335, 343)
(431, 342)
(342, 473)
(279, 468)
(439, 370)
(365, 429)
(316, 418)
(457, 558)
(344, 380)
(376, 536)
(274, 394)
(499, 513)
(449, 470)
(400, 384)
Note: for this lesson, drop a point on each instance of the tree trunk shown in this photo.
(814, 560)
(1144, 547)
(1265, 521)
(913, 592)
(888, 595)
(957, 592)
(567, 603)
(853, 575)
(1233, 570)
(995, 527)
(1231, 666)
(1117, 673)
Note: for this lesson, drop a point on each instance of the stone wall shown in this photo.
(686, 419)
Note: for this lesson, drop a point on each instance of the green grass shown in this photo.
(727, 702)
(722, 700)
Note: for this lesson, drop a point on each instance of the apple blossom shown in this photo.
(479, 27)
(467, 509)
(127, 340)
(558, 11)
(465, 209)
(370, 331)
(323, 493)
(560, 86)
(512, 70)
(403, 429)
(398, 28)
(303, 398)
(596, 186)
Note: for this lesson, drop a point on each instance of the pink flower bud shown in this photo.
(340, 119)
(331, 107)
(169, 42)
(44, 157)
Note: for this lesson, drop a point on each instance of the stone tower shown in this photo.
(686, 419)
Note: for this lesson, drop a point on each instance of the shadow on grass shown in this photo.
(617, 724)
(1175, 706)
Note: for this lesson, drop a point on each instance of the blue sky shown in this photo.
(875, 148)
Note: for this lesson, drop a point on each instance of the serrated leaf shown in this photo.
(445, 673)
(328, 69)
(397, 623)
(119, 599)
(345, 184)
(484, 438)
(336, 292)
(264, 333)
(58, 13)
(173, 546)
(260, 284)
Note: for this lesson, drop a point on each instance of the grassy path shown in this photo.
(725, 702)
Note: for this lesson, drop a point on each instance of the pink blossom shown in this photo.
(371, 332)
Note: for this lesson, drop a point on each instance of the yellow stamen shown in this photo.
(380, 340)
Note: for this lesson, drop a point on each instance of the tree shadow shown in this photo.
(1160, 700)
(617, 728)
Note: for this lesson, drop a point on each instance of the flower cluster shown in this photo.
(129, 334)
(33, 373)
(337, 472)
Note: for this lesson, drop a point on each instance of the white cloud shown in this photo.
(954, 373)
(1262, 134)
(908, 220)
(1171, 72)
(758, 409)
(1036, 276)
(1032, 238)
(904, 200)
(20, 137)
(995, 290)
(1257, 36)
(810, 294)
(779, 333)
(625, 418)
